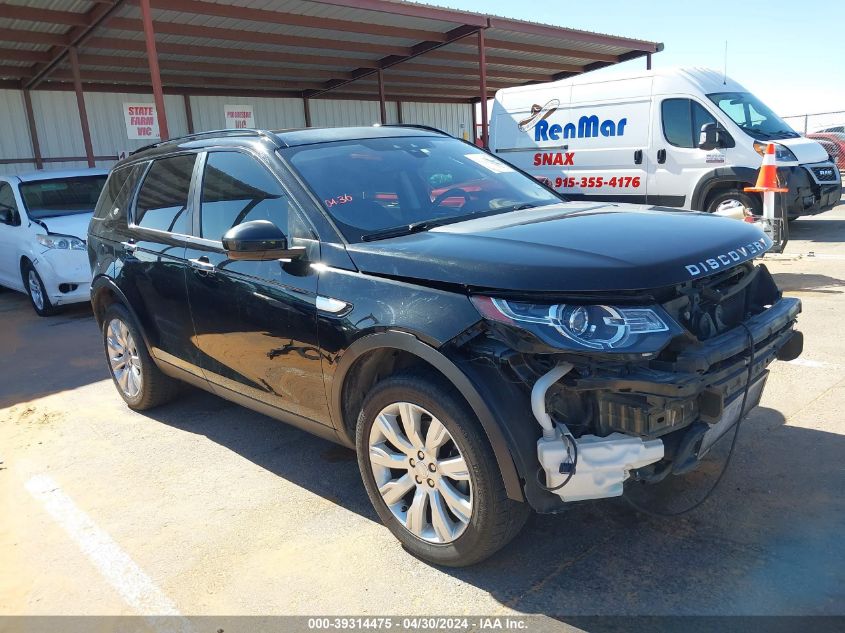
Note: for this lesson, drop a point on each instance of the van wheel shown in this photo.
(36, 291)
(139, 382)
(730, 198)
(431, 474)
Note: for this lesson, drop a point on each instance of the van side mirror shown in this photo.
(258, 240)
(712, 136)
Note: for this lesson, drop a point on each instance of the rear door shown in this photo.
(153, 259)
(255, 321)
(677, 164)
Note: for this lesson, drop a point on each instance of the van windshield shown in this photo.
(752, 115)
(377, 188)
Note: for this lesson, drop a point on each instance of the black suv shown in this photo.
(484, 345)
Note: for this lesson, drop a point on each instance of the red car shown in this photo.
(834, 143)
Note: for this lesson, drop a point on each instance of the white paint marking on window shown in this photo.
(115, 565)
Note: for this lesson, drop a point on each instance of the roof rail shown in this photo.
(228, 132)
(418, 127)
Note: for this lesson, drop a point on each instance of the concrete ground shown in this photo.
(203, 507)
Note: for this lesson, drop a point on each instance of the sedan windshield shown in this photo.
(752, 115)
(61, 196)
(383, 187)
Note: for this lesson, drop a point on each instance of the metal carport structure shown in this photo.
(384, 50)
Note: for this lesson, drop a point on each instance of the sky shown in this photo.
(790, 54)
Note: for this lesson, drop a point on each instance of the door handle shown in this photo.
(129, 247)
(661, 156)
(638, 157)
(202, 263)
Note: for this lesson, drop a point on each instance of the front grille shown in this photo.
(825, 173)
(713, 305)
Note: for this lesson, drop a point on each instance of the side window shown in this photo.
(677, 123)
(235, 189)
(117, 194)
(163, 199)
(700, 117)
(8, 206)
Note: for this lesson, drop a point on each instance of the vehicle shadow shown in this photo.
(768, 540)
(317, 465)
(817, 229)
(809, 282)
(46, 355)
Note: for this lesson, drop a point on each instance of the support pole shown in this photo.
(189, 113)
(482, 73)
(33, 133)
(399, 112)
(80, 103)
(306, 106)
(648, 61)
(474, 136)
(155, 74)
(381, 103)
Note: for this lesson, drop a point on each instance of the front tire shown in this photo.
(724, 200)
(431, 474)
(36, 291)
(139, 382)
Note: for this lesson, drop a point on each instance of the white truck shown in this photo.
(688, 138)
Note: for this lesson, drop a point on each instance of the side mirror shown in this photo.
(258, 240)
(713, 136)
(709, 137)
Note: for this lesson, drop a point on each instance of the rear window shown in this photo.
(61, 196)
(117, 194)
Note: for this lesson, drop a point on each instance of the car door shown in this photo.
(153, 265)
(255, 321)
(678, 163)
(11, 232)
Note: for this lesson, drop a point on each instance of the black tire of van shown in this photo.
(719, 197)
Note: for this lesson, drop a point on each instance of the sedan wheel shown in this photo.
(35, 289)
(123, 358)
(420, 473)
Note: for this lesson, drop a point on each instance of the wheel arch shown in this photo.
(720, 178)
(360, 364)
(104, 292)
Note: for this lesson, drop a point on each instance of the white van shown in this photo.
(682, 137)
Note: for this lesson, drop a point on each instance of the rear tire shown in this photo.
(455, 516)
(722, 199)
(36, 291)
(139, 381)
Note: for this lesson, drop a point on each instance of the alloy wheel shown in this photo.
(420, 473)
(123, 358)
(36, 291)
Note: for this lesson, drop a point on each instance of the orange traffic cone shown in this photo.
(767, 178)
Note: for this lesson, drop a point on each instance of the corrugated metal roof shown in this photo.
(320, 44)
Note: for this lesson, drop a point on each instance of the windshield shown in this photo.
(377, 188)
(752, 115)
(61, 196)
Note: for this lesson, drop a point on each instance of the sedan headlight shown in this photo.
(62, 242)
(781, 153)
(578, 327)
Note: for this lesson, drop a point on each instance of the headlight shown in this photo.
(585, 327)
(781, 153)
(62, 242)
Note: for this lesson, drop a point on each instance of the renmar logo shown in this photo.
(588, 127)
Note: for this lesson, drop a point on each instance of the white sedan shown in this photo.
(44, 218)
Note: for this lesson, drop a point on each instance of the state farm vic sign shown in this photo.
(141, 121)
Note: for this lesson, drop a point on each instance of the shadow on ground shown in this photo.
(817, 229)
(768, 541)
(39, 360)
(808, 282)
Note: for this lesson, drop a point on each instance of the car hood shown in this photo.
(806, 150)
(75, 224)
(569, 247)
